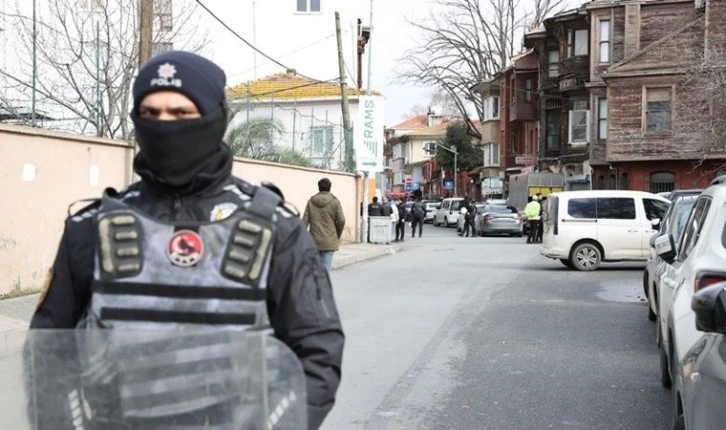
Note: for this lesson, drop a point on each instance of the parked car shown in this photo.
(584, 228)
(700, 376)
(673, 223)
(448, 213)
(431, 209)
(672, 195)
(499, 219)
(697, 261)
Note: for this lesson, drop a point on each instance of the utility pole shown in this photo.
(349, 157)
(370, 49)
(146, 30)
(454, 151)
(35, 66)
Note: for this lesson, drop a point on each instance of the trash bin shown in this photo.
(379, 229)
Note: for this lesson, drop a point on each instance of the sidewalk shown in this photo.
(358, 252)
(15, 313)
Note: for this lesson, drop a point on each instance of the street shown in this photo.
(483, 333)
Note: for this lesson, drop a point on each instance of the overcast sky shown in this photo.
(391, 38)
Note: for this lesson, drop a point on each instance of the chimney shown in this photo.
(430, 118)
(632, 29)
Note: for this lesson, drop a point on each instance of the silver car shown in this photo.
(431, 209)
(499, 219)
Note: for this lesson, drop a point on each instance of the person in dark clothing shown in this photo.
(187, 194)
(386, 209)
(418, 213)
(469, 218)
(401, 224)
(374, 208)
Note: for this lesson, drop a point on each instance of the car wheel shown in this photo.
(665, 374)
(520, 234)
(586, 257)
(567, 263)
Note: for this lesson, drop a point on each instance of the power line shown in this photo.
(254, 48)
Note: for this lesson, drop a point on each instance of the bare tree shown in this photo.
(701, 107)
(465, 42)
(87, 57)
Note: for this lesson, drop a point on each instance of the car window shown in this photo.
(655, 209)
(456, 204)
(678, 220)
(693, 228)
(615, 208)
(498, 208)
(446, 204)
(581, 208)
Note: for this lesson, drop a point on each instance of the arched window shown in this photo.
(662, 182)
(623, 181)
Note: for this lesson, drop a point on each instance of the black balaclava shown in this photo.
(185, 156)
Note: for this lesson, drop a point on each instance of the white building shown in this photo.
(308, 112)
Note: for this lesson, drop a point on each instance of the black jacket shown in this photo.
(300, 299)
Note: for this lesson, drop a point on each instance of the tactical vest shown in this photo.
(155, 276)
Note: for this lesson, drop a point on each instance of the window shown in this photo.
(491, 108)
(491, 154)
(163, 11)
(654, 209)
(658, 109)
(553, 129)
(579, 123)
(602, 118)
(662, 182)
(615, 208)
(161, 47)
(528, 89)
(693, 227)
(581, 41)
(553, 63)
(582, 208)
(605, 41)
(308, 5)
(322, 139)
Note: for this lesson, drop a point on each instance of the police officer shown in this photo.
(186, 196)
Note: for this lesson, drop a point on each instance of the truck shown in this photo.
(525, 185)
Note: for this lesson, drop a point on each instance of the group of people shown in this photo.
(396, 210)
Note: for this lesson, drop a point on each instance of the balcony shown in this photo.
(523, 111)
(579, 65)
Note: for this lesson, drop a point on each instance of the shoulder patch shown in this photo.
(86, 211)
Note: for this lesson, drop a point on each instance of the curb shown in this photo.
(364, 256)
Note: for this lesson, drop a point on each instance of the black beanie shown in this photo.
(196, 77)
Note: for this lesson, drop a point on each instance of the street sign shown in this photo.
(368, 137)
(408, 188)
(526, 160)
(449, 185)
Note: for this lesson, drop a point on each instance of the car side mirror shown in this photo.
(709, 305)
(665, 247)
(652, 240)
(655, 222)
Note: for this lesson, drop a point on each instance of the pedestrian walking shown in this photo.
(533, 212)
(402, 219)
(417, 216)
(469, 215)
(326, 221)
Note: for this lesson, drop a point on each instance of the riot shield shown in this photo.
(147, 379)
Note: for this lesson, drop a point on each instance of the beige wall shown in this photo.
(68, 168)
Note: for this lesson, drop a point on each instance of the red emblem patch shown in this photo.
(185, 248)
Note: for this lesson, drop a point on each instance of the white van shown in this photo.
(448, 213)
(584, 228)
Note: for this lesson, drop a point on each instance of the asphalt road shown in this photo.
(483, 333)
